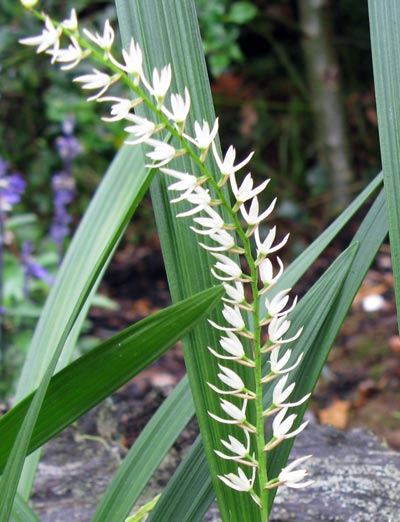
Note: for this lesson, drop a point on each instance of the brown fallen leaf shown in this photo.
(336, 414)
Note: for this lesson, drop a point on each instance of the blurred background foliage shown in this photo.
(256, 63)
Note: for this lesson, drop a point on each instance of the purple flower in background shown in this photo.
(68, 146)
(63, 183)
(64, 192)
(32, 269)
(11, 187)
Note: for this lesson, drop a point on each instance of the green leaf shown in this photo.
(168, 33)
(189, 493)
(22, 512)
(99, 233)
(144, 457)
(385, 45)
(317, 342)
(95, 375)
(302, 263)
(242, 12)
(143, 511)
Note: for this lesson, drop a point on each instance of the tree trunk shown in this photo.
(325, 90)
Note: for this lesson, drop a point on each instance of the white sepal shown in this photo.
(237, 415)
(227, 166)
(203, 135)
(266, 271)
(161, 154)
(246, 191)
(105, 40)
(239, 450)
(291, 477)
(49, 37)
(239, 482)
(252, 216)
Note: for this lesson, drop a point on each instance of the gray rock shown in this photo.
(356, 479)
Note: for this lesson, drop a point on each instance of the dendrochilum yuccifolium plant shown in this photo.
(244, 259)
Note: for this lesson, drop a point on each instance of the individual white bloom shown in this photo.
(187, 183)
(239, 450)
(281, 428)
(292, 478)
(203, 135)
(71, 56)
(239, 482)
(133, 59)
(236, 293)
(120, 110)
(226, 266)
(223, 238)
(276, 306)
(279, 395)
(105, 40)
(142, 129)
(71, 23)
(179, 108)
(246, 191)
(278, 365)
(211, 224)
(227, 166)
(200, 198)
(233, 316)
(277, 329)
(29, 3)
(231, 379)
(49, 37)
(161, 82)
(266, 271)
(96, 80)
(231, 345)
(252, 217)
(265, 248)
(237, 415)
(162, 152)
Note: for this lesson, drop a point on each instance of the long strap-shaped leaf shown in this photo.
(146, 455)
(22, 512)
(369, 238)
(100, 231)
(385, 43)
(167, 31)
(95, 375)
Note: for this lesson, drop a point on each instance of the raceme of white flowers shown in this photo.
(229, 243)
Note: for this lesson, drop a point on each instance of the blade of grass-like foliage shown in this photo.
(95, 375)
(22, 512)
(145, 456)
(372, 232)
(189, 494)
(298, 267)
(167, 31)
(323, 293)
(385, 44)
(124, 185)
